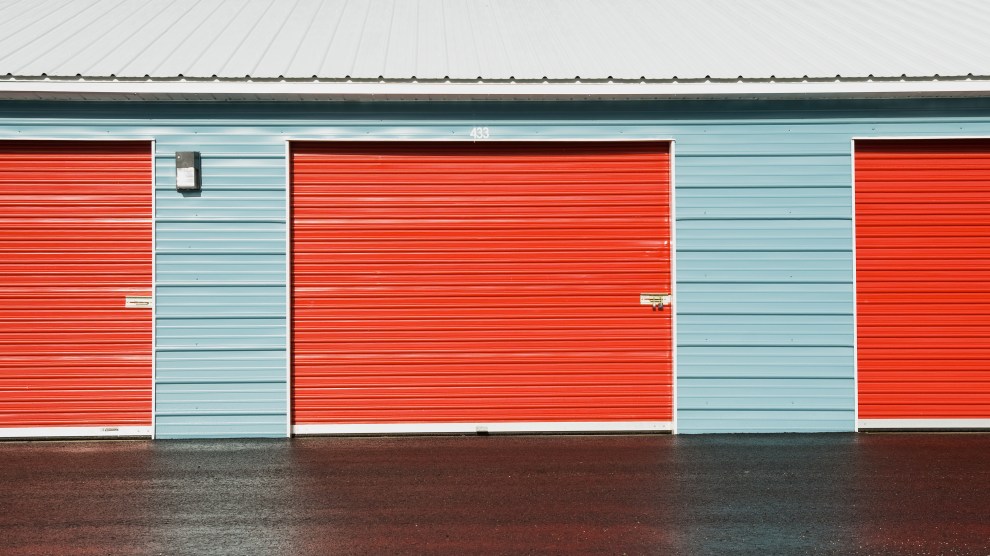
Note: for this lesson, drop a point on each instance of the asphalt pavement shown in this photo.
(640, 494)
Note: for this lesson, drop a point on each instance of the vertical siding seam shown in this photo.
(288, 289)
(154, 294)
(855, 285)
(672, 214)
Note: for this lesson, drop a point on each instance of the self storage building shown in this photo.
(275, 217)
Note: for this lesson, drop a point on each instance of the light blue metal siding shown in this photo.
(765, 281)
(221, 286)
(764, 240)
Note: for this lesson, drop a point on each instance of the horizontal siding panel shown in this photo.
(810, 301)
(218, 246)
(767, 321)
(763, 275)
(716, 369)
(220, 301)
(220, 268)
(222, 204)
(226, 230)
(785, 291)
(225, 366)
(220, 426)
(220, 147)
(765, 236)
(764, 203)
(764, 267)
(214, 398)
(207, 333)
(221, 237)
(700, 146)
(731, 179)
(727, 242)
(817, 260)
(752, 169)
(752, 172)
(764, 421)
(811, 337)
(793, 306)
(716, 362)
(765, 330)
(802, 399)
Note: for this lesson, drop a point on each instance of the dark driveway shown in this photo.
(760, 494)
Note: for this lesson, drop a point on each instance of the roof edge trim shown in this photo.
(15, 88)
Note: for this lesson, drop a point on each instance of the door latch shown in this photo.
(657, 300)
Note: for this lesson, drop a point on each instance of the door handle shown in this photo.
(139, 302)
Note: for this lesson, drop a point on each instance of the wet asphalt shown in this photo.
(719, 494)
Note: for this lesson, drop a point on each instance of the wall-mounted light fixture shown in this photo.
(187, 171)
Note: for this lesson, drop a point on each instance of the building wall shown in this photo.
(763, 206)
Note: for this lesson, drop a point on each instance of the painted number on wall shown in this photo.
(478, 133)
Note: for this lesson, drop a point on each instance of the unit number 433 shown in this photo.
(480, 133)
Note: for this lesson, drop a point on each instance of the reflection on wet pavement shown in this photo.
(759, 494)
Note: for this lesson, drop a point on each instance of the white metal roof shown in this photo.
(270, 43)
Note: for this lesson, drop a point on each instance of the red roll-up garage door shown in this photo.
(923, 283)
(470, 283)
(75, 241)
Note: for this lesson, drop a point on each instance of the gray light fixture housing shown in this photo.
(187, 171)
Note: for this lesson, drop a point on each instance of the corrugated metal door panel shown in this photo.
(500, 282)
(923, 294)
(75, 240)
